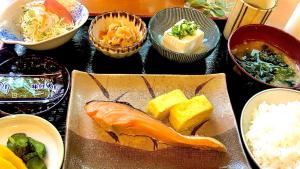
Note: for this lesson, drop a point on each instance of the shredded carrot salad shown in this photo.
(119, 34)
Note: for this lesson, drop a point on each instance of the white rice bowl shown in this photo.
(274, 135)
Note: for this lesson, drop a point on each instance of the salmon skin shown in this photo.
(122, 119)
(58, 9)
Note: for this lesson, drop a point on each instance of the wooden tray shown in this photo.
(143, 8)
(84, 148)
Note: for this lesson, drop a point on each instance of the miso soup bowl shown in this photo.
(270, 35)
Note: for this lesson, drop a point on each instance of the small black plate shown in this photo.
(32, 65)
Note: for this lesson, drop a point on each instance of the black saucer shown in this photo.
(32, 65)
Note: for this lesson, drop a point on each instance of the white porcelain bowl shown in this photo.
(10, 29)
(270, 96)
(40, 130)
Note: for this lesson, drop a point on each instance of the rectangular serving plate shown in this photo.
(84, 149)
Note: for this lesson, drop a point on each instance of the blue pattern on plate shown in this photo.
(77, 13)
(6, 35)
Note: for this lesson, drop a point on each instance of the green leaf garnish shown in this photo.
(186, 28)
(218, 12)
(220, 3)
(212, 9)
(197, 2)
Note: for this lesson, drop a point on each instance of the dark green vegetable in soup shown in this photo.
(28, 149)
(266, 64)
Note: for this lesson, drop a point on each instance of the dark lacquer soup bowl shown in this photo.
(267, 55)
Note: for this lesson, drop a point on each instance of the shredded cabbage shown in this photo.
(37, 24)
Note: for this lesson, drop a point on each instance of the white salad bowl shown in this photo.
(10, 29)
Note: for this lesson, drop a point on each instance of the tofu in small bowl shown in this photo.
(183, 35)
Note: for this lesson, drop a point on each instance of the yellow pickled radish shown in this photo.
(8, 155)
(4, 164)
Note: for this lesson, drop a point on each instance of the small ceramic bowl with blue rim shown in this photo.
(166, 18)
(11, 31)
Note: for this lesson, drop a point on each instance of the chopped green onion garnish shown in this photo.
(185, 28)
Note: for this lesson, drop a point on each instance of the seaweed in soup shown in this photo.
(266, 64)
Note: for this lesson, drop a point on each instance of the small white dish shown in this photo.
(270, 96)
(10, 29)
(40, 130)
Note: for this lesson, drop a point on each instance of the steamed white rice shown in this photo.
(274, 136)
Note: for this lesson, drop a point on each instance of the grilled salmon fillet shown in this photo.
(123, 119)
